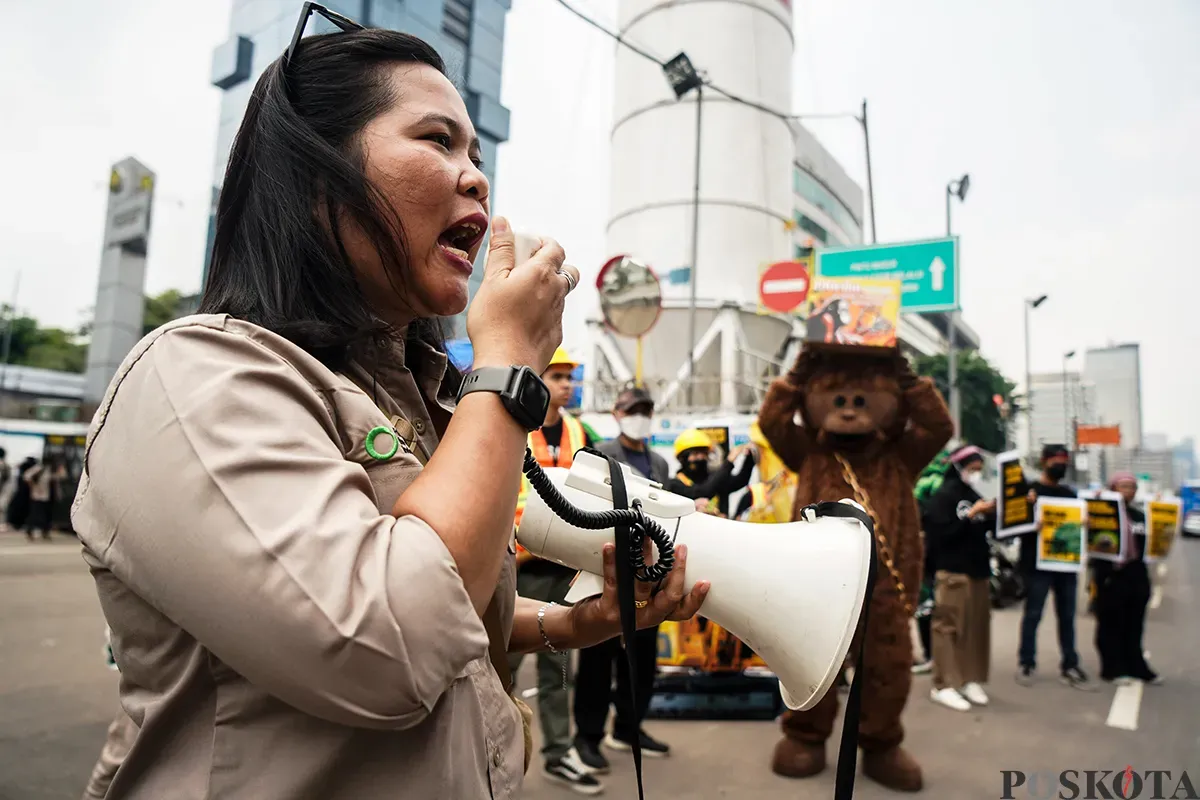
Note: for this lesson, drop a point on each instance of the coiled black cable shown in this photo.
(640, 525)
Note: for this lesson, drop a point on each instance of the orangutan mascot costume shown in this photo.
(851, 424)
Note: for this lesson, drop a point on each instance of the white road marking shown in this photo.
(1125, 706)
(1156, 597)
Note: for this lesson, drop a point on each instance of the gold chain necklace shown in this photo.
(885, 551)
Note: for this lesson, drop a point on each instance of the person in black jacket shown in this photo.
(1122, 594)
(696, 481)
(1040, 582)
(957, 520)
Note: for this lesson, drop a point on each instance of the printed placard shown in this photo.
(1062, 529)
(1162, 526)
(1107, 526)
(1014, 512)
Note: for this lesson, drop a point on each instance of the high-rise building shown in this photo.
(469, 35)
(1116, 372)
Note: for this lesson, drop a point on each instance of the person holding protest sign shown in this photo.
(1122, 595)
(1040, 582)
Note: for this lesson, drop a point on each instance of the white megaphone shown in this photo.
(792, 592)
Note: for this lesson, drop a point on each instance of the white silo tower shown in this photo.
(743, 47)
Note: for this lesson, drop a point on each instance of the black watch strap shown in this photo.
(488, 379)
(521, 391)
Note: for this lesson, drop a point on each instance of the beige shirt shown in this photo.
(280, 635)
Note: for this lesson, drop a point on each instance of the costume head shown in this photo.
(849, 401)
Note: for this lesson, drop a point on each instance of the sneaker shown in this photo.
(650, 746)
(1025, 676)
(950, 698)
(571, 772)
(974, 693)
(924, 668)
(1149, 676)
(589, 753)
(1076, 679)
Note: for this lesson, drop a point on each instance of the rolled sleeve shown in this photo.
(217, 490)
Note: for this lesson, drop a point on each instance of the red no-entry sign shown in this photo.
(783, 286)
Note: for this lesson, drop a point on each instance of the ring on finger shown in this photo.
(640, 603)
(571, 280)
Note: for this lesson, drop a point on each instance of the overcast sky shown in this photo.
(1077, 121)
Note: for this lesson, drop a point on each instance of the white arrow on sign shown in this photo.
(938, 270)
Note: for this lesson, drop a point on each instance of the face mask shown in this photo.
(697, 470)
(973, 479)
(1057, 471)
(636, 428)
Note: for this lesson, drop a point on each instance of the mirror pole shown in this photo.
(637, 369)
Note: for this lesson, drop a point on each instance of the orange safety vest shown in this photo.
(573, 439)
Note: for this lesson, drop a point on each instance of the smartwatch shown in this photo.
(521, 391)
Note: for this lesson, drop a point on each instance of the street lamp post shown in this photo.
(682, 76)
(1068, 439)
(1030, 303)
(957, 189)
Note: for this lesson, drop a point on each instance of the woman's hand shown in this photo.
(599, 619)
(516, 316)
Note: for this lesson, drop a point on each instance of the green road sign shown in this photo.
(928, 270)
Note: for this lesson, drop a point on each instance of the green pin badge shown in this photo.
(370, 444)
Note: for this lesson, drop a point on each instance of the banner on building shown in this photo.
(1107, 527)
(853, 311)
(1098, 435)
(1062, 528)
(1162, 526)
(1014, 512)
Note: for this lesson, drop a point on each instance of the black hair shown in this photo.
(297, 166)
(1051, 450)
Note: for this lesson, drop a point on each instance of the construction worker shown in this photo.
(710, 490)
(554, 445)
(771, 499)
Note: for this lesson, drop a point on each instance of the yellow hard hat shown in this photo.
(692, 438)
(561, 358)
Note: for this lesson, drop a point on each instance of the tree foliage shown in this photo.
(31, 345)
(979, 382)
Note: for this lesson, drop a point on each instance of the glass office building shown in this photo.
(469, 34)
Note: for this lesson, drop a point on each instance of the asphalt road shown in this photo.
(56, 698)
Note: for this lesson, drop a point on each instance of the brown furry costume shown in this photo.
(887, 424)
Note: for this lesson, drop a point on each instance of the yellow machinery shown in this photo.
(704, 671)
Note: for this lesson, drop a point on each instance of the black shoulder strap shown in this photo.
(847, 763)
(625, 601)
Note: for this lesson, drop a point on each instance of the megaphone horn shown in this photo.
(792, 592)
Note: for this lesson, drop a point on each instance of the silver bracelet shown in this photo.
(541, 615)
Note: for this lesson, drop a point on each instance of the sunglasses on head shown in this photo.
(306, 11)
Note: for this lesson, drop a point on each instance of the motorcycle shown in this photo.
(1006, 584)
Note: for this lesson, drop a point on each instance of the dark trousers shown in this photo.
(1039, 584)
(1121, 599)
(593, 686)
(925, 628)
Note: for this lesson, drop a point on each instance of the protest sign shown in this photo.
(1062, 526)
(1014, 512)
(1107, 528)
(1162, 525)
